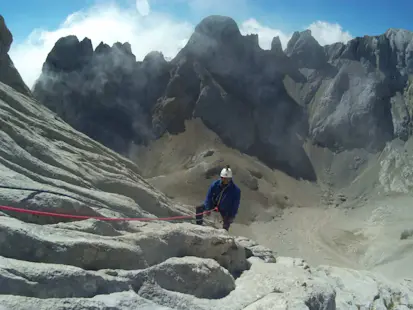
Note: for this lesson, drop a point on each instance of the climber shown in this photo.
(224, 195)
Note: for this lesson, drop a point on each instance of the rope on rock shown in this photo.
(86, 217)
(46, 191)
(101, 218)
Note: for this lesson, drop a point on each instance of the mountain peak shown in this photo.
(69, 54)
(400, 38)
(8, 73)
(6, 38)
(102, 48)
(218, 27)
(304, 49)
(302, 39)
(124, 47)
(276, 45)
(398, 31)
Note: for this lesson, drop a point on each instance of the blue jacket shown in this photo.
(230, 199)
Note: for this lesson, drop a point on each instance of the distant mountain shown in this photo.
(261, 102)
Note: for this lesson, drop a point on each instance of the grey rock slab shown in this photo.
(116, 301)
(364, 289)
(200, 277)
(92, 226)
(52, 245)
(253, 286)
(54, 281)
(256, 250)
(152, 245)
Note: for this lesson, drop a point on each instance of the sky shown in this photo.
(166, 25)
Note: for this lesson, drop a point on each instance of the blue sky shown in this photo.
(166, 26)
(359, 17)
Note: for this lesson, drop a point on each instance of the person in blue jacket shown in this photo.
(224, 195)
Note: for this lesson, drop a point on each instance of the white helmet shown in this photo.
(226, 172)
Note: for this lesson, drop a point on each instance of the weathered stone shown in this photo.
(8, 73)
(256, 250)
(54, 281)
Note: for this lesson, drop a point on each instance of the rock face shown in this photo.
(264, 103)
(8, 73)
(217, 77)
(103, 93)
(57, 263)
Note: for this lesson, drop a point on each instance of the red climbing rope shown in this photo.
(102, 218)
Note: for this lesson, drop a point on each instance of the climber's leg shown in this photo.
(199, 217)
(226, 222)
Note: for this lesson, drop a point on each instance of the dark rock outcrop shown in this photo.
(8, 73)
(104, 93)
(217, 77)
(262, 102)
(305, 51)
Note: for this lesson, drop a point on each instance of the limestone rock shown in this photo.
(276, 46)
(108, 84)
(340, 96)
(69, 54)
(54, 281)
(249, 111)
(202, 278)
(352, 112)
(6, 37)
(305, 50)
(90, 226)
(256, 250)
(8, 73)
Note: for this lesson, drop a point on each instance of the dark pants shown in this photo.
(200, 217)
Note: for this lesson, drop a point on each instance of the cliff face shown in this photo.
(262, 102)
(104, 93)
(8, 73)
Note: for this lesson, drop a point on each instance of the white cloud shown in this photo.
(265, 34)
(326, 33)
(145, 30)
(143, 7)
(107, 23)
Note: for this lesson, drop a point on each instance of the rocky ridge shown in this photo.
(50, 263)
(8, 73)
(261, 102)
